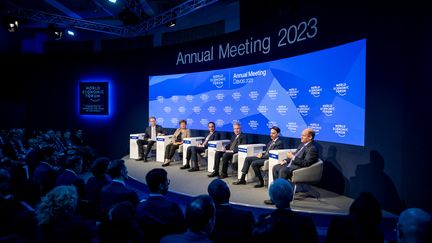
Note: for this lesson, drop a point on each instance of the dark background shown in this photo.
(40, 91)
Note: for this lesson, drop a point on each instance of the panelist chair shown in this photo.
(179, 153)
(308, 175)
(265, 171)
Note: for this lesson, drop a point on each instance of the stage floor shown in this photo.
(195, 183)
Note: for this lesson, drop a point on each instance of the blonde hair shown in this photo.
(59, 201)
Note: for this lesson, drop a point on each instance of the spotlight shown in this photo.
(54, 32)
(171, 23)
(13, 26)
(112, 1)
(70, 32)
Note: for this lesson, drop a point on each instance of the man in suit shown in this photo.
(200, 218)
(227, 227)
(116, 191)
(44, 175)
(283, 223)
(157, 216)
(70, 176)
(227, 155)
(151, 132)
(193, 151)
(258, 161)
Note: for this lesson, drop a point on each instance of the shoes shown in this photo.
(186, 166)
(193, 169)
(269, 202)
(213, 174)
(239, 182)
(222, 176)
(260, 184)
(166, 163)
(145, 159)
(138, 159)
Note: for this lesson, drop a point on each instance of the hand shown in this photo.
(283, 162)
(259, 155)
(290, 155)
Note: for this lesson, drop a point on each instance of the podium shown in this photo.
(244, 151)
(214, 146)
(275, 157)
(161, 143)
(187, 142)
(133, 146)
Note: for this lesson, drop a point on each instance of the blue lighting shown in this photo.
(112, 1)
(71, 33)
(111, 92)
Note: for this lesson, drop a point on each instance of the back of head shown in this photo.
(281, 193)
(100, 166)
(122, 213)
(219, 191)
(156, 179)
(59, 201)
(415, 225)
(200, 214)
(116, 168)
(366, 210)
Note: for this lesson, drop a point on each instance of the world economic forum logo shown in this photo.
(219, 122)
(160, 120)
(220, 97)
(236, 96)
(293, 92)
(253, 124)
(218, 80)
(315, 91)
(282, 109)
(341, 88)
(253, 95)
(175, 98)
(272, 94)
(204, 122)
(167, 109)
(341, 130)
(292, 127)
(160, 99)
(327, 109)
(182, 109)
(196, 109)
(204, 97)
(228, 110)
(244, 109)
(212, 109)
(262, 109)
(303, 110)
(190, 121)
(189, 98)
(271, 124)
(174, 120)
(316, 127)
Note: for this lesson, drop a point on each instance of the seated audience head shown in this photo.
(219, 191)
(117, 170)
(366, 210)
(414, 225)
(100, 166)
(281, 193)
(67, 133)
(59, 201)
(307, 135)
(236, 128)
(5, 182)
(274, 132)
(48, 154)
(122, 213)
(157, 181)
(200, 214)
(182, 124)
(74, 163)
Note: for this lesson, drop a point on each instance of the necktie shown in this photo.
(207, 139)
(293, 158)
(234, 143)
(153, 133)
(270, 146)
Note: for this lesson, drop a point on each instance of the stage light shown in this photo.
(171, 23)
(71, 33)
(13, 26)
(55, 32)
(112, 1)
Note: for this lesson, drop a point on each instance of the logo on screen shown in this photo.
(253, 95)
(244, 109)
(174, 120)
(341, 130)
(228, 109)
(292, 127)
(167, 109)
(204, 97)
(272, 94)
(271, 124)
(196, 109)
(175, 98)
(315, 91)
(189, 98)
(218, 80)
(220, 97)
(219, 122)
(316, 127)
(182, 109)
(303, 110)
(327, 109)
(204, 122)
(189, 121)
(212, 110)
(341, 88)
(236, 96)
(160, 120)
(160, 99)
(253, 124)
(282, 109)
(293, 92)
(262, 109)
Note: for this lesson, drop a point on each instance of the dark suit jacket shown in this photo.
(94, 187)
(307, 156)
(285, 225)
(232, 225)
(45, 177)
(68, 178)
(187, 237)
(277, 145)
(215, 136)
(147, 133)
(241, 140)
(159, 217)
(115, 192)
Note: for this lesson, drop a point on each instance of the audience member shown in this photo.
(157, 216)
(200, 218)
(70, 176)
(44, 174)
(414, 225)
(232, 225)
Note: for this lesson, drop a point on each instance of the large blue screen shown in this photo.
(324, 90)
